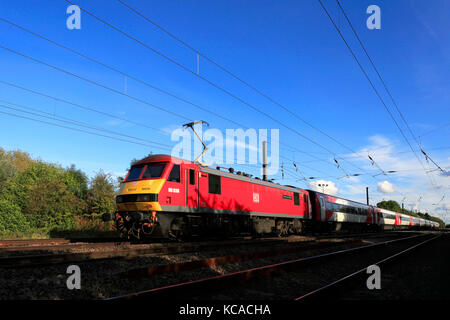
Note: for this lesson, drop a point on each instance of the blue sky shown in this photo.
(287, 49)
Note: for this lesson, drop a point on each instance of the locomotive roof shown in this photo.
(168, 158)
(160, 158)
(248, 179)
(352, 201)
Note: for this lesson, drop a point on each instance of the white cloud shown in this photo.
(385, 187)
(327, 187)
(444, 207)
(410, 181)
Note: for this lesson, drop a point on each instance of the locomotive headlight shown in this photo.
(143, 198)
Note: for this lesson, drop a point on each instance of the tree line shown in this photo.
(41, 197)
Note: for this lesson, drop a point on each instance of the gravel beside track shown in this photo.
(102, 279)
(296, 282)
(421, 275)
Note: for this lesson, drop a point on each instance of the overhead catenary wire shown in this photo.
(232, 74)
(381, 79)
(434, 130)
(236, 77)
(258, 110)
(373, 86)
(67, 120)
(89, 108)
(203, 78)
(102, 135)
(75, 122)
(331, 152)
(94, 82)
(76, 129)
(241, 80)
(114, 90)
(382, 153)
(123, 73)
(77, 105)
(96, 61)
(84, 107)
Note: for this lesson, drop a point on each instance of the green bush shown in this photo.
(42, 193)
(43, 198)
(76, 182)
(51, 205)
(101, 195)
(11, 218)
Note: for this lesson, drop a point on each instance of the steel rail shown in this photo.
(234, 258)
(130, 252)
(352, 275)
(127, 249)
(29, 242)
(217, 281)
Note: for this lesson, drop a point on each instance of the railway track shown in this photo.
(332, 288)
(57, 251)
(237, 282)
(115, 250)
(17, 243)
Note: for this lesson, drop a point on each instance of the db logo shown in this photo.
(256, 197)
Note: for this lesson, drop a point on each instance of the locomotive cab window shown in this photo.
(214, 184)
(154, 170)
(175, 174)
(135, 173)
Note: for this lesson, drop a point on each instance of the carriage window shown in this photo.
(192, 176)
(330, 206)
(175, 173)
(296, 199)
(214, 184)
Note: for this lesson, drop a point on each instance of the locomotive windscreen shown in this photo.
(135, 173)
(152, 170)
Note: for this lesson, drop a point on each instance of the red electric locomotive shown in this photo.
(163, 196)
